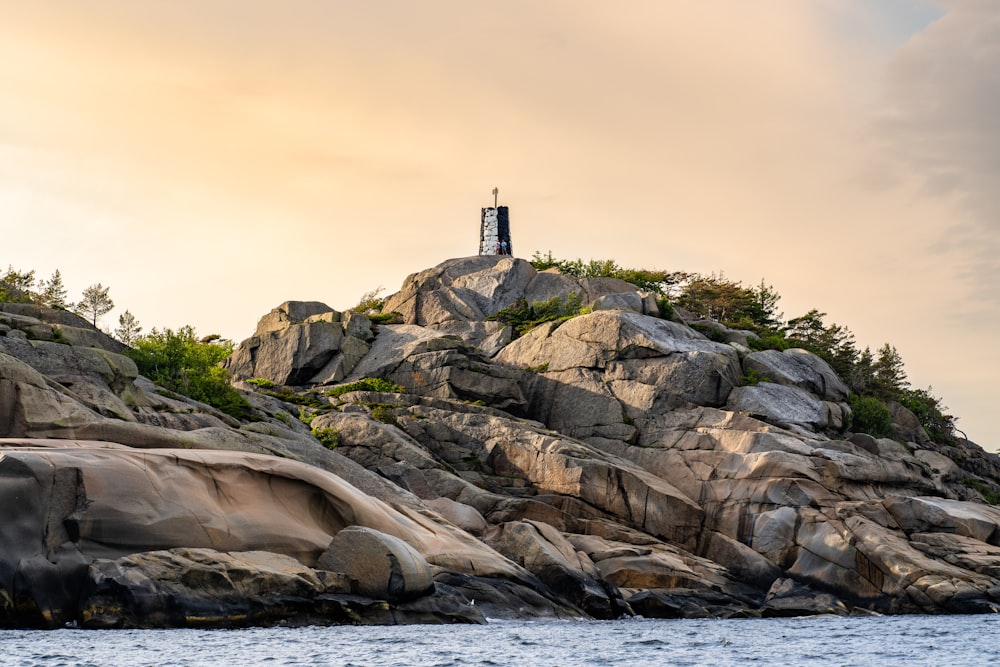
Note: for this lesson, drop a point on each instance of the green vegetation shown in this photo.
(370, 302)
(17, 287)
(366, 384)
(307, 414)
(329, 437)
(307, 399)
(384, 413)
(180, 362)
(261, 383)
(651, 281)
(95, 303)
(989, 494)
(371, 305)
(53, 292)
(752, 377)
(870, 415)
(878, 376)
(524, 317)
(128, 330)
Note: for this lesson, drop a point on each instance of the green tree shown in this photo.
(54, 292)
(128, 329)
(16, 286)
(715, 297)
(180, 362)
(834, 343)
(95, 303)
(889, 376)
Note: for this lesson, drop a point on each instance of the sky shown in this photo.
(208, 160)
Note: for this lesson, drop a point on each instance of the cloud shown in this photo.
(940, 123)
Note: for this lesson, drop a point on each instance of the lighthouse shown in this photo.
(494, 229)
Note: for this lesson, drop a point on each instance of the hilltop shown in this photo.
(493, 440)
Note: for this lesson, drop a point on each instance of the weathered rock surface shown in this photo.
(301, 343)
(470, 289)
(613, 463)
(384, 567)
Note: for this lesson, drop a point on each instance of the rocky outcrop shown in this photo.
(459, 294)
(612, 463)
(66, 513)
(301, 343)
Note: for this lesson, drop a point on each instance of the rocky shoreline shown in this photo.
(612, 464)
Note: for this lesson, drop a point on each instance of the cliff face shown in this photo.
(609, 464)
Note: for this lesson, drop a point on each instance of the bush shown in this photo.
(179, 362)
(988, 494)
(871, 416)
(524, 317)
(384, 414)
(666, 308)
(366, 384)
(329, 437)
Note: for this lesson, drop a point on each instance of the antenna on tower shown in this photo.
(496, 191)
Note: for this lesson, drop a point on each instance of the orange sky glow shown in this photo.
(209, 160)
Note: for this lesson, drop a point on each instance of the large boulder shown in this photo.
(302, 342)
(469, 288)
(607, 368)
(384, 567)
(797, 368)
(787, 406)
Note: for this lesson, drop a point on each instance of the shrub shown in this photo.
(384, 414)
(871, 416)
(386, 318)
(988, 494)
(370, 301)
(178, 361)
(307, 399)
(329, 437)
(752, 377)
(524, 317)
(666, 308)
(263, 383)
(366, 384)
(307, 415)
(768, 341)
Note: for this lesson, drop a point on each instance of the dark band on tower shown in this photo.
(494, 230)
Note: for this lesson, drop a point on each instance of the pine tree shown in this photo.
(890, 378)
(54, 292)
(95, 302)
(16, 286)
(128, 329)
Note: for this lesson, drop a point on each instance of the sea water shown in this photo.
(828, 641)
